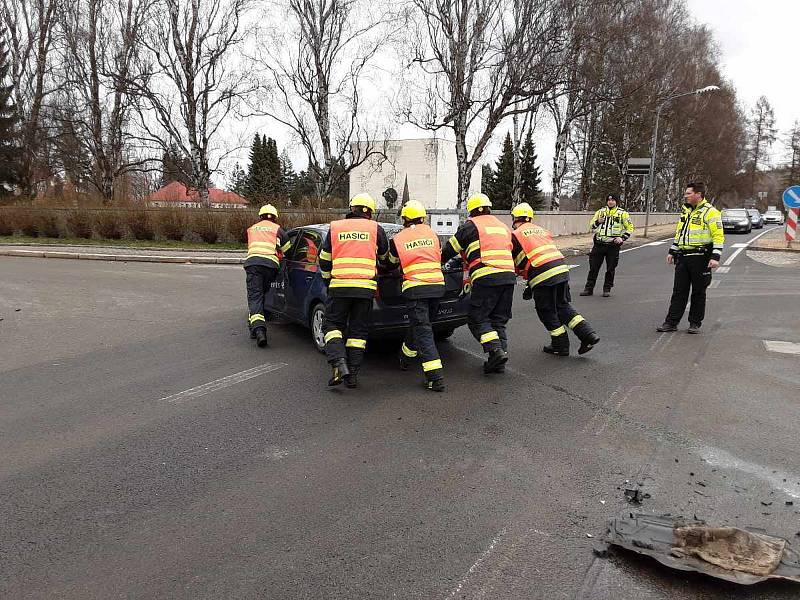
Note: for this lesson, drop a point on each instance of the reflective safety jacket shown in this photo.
(537, 257)
(485, 243)
(267, 242)
(349, 256)
(419, 253)
(699, 231)
(617, 223)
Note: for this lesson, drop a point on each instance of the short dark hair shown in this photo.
(697, 186)
(614, 197)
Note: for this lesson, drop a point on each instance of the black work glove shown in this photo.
(528, 293)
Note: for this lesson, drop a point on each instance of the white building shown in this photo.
(426, 166)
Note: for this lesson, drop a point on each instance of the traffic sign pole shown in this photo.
(792, 216)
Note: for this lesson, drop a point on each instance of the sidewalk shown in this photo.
(571, 245)
(774, 241)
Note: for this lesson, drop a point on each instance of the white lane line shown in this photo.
(656, 243)
(725, 269)
(742, 246)
(783, 482)
(715, 283)
(476, 565)
(782, 347)
(223, 382)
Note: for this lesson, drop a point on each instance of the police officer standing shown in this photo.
(417, 251)
(485, 244)
(697, 249)
(266, 244)
(349, 266)
(542, 264)
(612, 226)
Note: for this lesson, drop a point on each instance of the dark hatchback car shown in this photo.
(736, 220)
(298, 293)
(756, 220)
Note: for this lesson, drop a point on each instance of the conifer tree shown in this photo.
(530, 174)
(10, 152)
(487, 179)
(503, 184)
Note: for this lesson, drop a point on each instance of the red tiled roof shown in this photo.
(177, 192)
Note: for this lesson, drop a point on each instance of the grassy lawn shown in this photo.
(21, 239)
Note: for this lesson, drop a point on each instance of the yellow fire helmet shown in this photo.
(478, 200)
(364, 200)
(522, 210)
(268, 209)
(413, 210)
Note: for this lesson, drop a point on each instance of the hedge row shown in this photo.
(191, 225)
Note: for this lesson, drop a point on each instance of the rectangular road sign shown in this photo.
(639, 166)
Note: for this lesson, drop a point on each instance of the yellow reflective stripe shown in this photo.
(575, 321)
(355, 261)
(435, 276)
(496, 230)
(408, 351)
(352, 271)
(431, 365)
(325, 255)
(473, 246)
(454, 243)
(367, 284)
(495, 253)
(286, 246)
(489, 337)
(356, 343)
(333, 334)
(393, 259)
(410, 284)
(544, 258)
(520, 257)
(263, 244)
(256, 317)
(500, 263)
(271, 257)
(559, 331)
(541, 250)
(477, 273)
(325, 274)
(423, 266)
(548, 274)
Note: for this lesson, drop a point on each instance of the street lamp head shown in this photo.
(708, 88)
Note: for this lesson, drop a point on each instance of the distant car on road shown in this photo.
(773, 216)
(736, 220)
(756, 220)
(298, 293)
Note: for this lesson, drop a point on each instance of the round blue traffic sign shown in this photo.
(791, 197)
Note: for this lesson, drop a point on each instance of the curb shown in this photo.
(195, 260)
(43, 246)
(772, 249)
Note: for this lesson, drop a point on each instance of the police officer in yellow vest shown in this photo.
(612, 227)
(417, 251)
(267, 242)
(484, 242)
(697, 249)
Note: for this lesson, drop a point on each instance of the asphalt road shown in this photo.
(150, 450)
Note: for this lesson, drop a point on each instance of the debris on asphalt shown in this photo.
(635, 495)
(789, 503)
(17, 309)
(744, 556)
(589, 535)
(600, 549)
(766, 503)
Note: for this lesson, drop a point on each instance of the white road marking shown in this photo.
(714, 284)
(656, 243)
(476, 565)
(782, 347)
(223, 382)
(721, 270)
(740, 245)
(783, 482)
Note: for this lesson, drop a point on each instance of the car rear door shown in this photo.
(302, 270)
(276, 297)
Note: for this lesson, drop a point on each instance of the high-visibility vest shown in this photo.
(354, 248)
(420, 255)
(699, 228)
(262, 241)
(494, 244)
(540, 259)
(617, 222)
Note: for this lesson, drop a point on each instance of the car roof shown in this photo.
(322, 228)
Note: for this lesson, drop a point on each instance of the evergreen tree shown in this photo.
(487, 179)
(288, 176)
(237, 182)
(10, 151)
(530, 174)
(175, 166)
(503, 184)
(275, 188)
(257, 184)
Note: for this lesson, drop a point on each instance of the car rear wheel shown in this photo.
(317, 318)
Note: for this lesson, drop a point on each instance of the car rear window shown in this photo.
(734, 212)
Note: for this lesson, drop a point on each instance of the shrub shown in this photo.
(108, 224)
(79, 223)
(172, 223)
(49, 224)
(28, 223)
(8, 222)
(237, 223)
(207, 225)
(140, 224)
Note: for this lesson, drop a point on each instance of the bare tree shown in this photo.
(189, 80)
(315, 75)
(31, 26)
(478, 62)
(102, 42)
(793, 153)
(761, 131)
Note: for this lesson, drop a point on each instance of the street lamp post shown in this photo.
(652, 177)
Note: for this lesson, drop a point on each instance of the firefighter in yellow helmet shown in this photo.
(484, 243)
(348, 263)
(417, 251)
(543, 266)
(267, 242)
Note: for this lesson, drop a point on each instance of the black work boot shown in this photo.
(261, 337)
(351, 379)
(666, 327)
(587, 292)
(587, 336)
(340, 371)
(606, 293)
(252, 334)
(496, 361)
(405, 361)
(559, 345)
(435, 385)
(693, 328)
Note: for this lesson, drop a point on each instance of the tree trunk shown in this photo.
(516, 188)
(462, 164)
